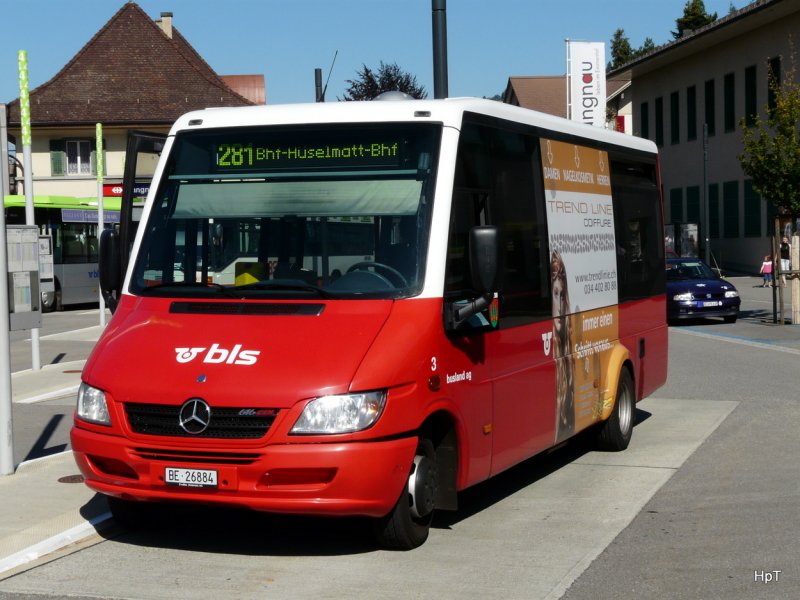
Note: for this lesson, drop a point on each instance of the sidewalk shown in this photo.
(44, 505)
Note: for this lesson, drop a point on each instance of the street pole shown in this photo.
(100, 214)
(439, 9)
(706, 211)
(6, 429)
(25, 123)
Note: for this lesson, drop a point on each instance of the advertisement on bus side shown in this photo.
(583, 267)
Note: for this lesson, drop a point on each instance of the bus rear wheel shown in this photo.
(52, 301)
(616, 432)
(407, 526)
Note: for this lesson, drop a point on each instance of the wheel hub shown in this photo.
(423, 484)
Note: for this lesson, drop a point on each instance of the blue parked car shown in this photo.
(694, 291)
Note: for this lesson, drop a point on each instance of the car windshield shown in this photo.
(332, 211)
(689, 269)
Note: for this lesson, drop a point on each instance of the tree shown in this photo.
(694, 17)
(771, 155)
(648, 46)
(621, 50)
(389, 78)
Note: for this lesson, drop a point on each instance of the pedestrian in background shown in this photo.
(785, 251)
(766, 271)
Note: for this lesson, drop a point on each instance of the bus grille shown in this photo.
(226, 423)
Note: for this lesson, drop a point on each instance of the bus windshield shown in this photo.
(337, 211)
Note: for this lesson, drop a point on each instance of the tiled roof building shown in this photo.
(134, 71)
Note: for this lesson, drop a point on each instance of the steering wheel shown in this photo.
(390, 273)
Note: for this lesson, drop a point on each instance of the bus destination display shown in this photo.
(234, 155)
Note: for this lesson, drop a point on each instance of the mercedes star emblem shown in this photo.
(195, 415)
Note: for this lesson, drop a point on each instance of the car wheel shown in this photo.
(407, 526)
(616, 432)
(730, 319)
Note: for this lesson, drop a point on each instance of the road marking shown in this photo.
(51, 395)
(739, 340)
(86, 334)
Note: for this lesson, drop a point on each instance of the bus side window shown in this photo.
(74, 250)
(498, 181)
(640, 242)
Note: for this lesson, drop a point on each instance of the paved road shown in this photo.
(702, 505)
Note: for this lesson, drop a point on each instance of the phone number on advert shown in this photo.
(599, 287)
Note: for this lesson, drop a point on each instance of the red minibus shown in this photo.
(363, 308)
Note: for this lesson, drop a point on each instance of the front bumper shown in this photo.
(695, 310)
(343, 478)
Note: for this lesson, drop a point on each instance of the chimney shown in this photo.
(165, 22)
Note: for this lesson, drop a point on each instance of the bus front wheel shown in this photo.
(406, 527)
(616, 432)
(52, 301)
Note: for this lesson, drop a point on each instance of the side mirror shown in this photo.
(110, 267)
(484, 258)
(484, 266)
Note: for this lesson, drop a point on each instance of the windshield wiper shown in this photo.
(217, 287)
(284, 285)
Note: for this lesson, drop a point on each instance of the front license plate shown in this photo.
(201, 478)
(711, 303)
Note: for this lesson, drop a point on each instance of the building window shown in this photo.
(691, 113)
(729, 91)
(730, 208)
(659, 122)
(713, 210)
(644, 120)
(73, 158)
(674, 118)
(773, 80)
(693, 204)
(79, 154)
(750, 101)
(710, 102)
(676, 205)
(752, 210)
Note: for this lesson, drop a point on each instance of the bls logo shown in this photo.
(217, 355)
(547, 339)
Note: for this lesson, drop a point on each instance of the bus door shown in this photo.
(523, 365)
(141, 158)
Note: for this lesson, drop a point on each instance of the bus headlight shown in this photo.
(92, 405)
(345, 413)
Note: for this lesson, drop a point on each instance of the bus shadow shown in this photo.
(243, 532)
(488, 493)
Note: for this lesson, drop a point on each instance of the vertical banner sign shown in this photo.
(24, 98)
(586, 80)
(583, 262)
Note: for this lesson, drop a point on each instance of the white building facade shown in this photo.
(710, 80)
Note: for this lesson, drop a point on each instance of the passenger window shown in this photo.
(497, 182)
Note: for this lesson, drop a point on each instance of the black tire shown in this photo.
(731, 319)
(616, 432)
(402, 529)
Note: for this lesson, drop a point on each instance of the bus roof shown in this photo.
(87, 203)
(448, 111)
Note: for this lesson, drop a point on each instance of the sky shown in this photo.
(488, 41)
